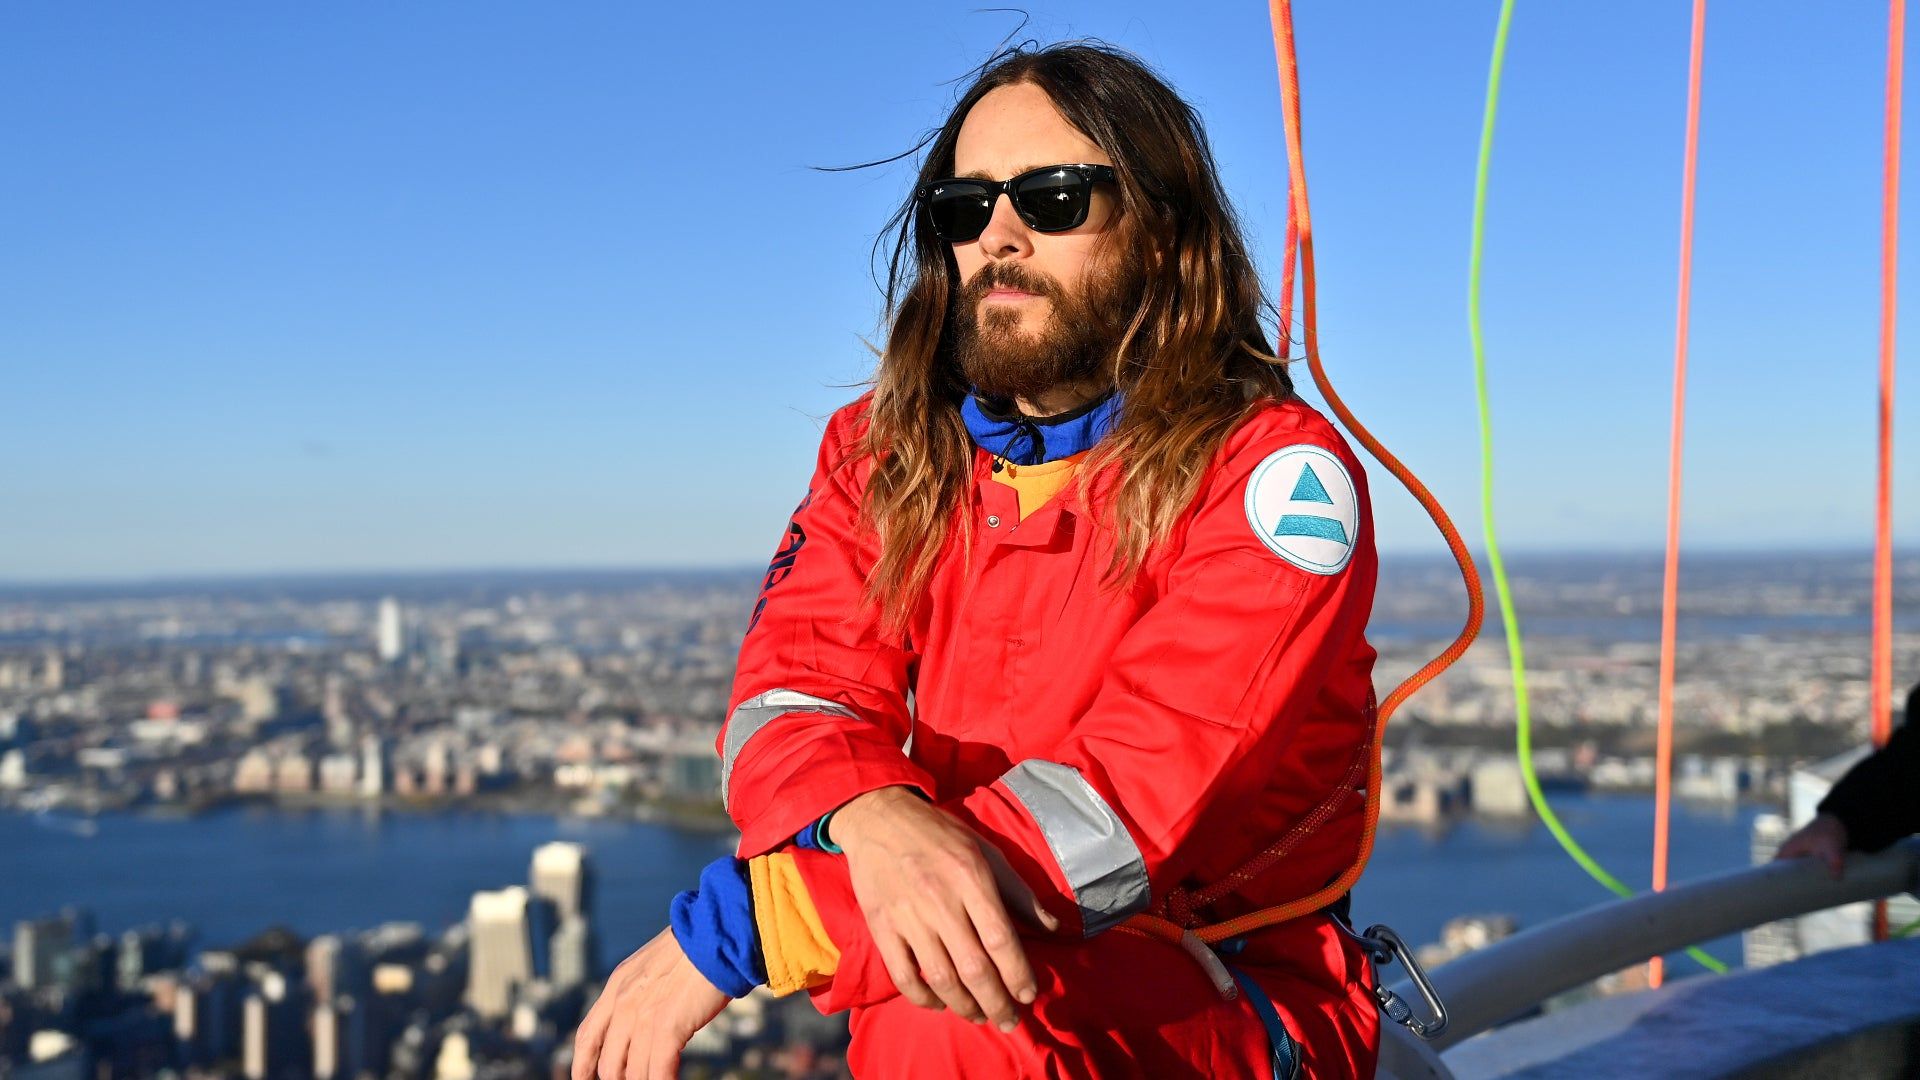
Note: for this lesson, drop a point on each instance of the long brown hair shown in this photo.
(1190, 364)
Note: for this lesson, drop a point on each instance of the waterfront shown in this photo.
(235, 872)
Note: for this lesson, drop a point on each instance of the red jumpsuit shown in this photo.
(1112, 742)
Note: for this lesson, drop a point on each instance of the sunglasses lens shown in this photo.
(1052, 201)
(959, 211)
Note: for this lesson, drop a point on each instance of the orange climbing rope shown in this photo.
(1178, 920)
(1882, 676)
(1880, 679)
(1670, 596)
(1286, 272)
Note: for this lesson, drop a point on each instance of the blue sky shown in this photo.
(363, 286)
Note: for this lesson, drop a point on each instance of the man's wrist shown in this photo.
(853, 817)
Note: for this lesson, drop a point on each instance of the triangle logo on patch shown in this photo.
(1309, 488)
(1304, 507)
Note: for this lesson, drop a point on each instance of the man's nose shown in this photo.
(1006, 236)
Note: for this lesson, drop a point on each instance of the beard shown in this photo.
(1077, 342)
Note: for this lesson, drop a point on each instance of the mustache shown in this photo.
(1009, 276)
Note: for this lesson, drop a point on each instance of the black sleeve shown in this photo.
(1879, 799)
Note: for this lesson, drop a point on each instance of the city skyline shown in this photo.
(457, 288)
(496, 993)
(365, 761)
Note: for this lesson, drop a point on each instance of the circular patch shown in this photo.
(1302, 504)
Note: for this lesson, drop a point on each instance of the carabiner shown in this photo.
(1383, 947)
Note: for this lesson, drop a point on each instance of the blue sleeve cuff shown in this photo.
(814, 837)
(715, 927)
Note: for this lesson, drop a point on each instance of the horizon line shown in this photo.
(191, 577)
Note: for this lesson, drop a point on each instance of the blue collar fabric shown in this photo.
(1034, 440)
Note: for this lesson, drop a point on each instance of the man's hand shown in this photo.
(931, 890)
(652, 1004)
(1824, 838)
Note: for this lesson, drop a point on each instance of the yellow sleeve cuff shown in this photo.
(793, 941)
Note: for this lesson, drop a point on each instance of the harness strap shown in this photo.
(1286, 1052)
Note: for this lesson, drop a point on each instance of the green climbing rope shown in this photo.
(1511, 623)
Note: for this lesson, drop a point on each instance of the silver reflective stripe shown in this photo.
(757, 712)
(1102, 864)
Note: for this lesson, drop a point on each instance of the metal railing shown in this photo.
(1511, 976)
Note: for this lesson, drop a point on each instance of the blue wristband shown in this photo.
(820, 835)
(814, 836)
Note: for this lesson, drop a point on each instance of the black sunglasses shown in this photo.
(1053, 198)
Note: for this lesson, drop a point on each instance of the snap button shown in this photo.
(993, 521)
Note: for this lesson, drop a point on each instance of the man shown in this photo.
(1069, 623)
(1876, 803)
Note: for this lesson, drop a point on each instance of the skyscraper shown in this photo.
(37, 944)
(364, 1024)
(543, 918)
(326, 1041)
(502, 949)
(573, 947)
(446, 972)
(335, 713)
(335, 965)
(218, 1003)
(255, 1039)
(392, 639)
(561, 873)
(373, 766)
(147, 949)
(273, 1032)
(189, 1036)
